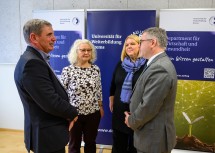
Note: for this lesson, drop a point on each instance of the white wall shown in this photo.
(11, 110)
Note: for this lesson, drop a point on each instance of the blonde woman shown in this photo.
(124, 78)
(82, 81)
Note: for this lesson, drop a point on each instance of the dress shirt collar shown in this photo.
(150, 60)
(45, 56)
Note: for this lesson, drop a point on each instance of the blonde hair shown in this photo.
(132, 36)
(72, 55)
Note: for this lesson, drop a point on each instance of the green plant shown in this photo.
(191, 123)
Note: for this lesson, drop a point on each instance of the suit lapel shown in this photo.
(144, 69)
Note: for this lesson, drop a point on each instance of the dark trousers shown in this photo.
(145, 152)
(122, 142)
(86, 126)
(60, 151)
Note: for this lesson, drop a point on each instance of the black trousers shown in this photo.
(60, 151)
(86, 126)
(145, 152)
(122, 142)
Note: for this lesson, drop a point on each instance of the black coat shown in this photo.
(119, 107)
(45, 102)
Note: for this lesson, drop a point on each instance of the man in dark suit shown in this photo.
(47, 111)
(153, 99)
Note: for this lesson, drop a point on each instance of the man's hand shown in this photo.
(72, 122)
(111, 99)
(127, 114)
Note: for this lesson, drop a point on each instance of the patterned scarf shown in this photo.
(130, 67)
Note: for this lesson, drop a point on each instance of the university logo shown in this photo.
(212, 20)
(138, 32)
(75, 21)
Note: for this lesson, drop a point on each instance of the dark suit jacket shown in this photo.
(152, 107)
(46, 104)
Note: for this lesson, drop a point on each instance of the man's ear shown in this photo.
(154, 42)
(33, 38)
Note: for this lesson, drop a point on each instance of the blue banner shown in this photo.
(192, 54)
(107, 30)
(64, 41)
(191, 37)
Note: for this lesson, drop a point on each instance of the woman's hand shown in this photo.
(111, 98)
(102, 111)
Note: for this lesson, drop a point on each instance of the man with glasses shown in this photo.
(153, 99)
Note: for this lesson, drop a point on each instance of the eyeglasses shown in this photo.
(85, 50)
(142, 40)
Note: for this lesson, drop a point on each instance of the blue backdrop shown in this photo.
(191, 56)
(65, 39)
(107, 30)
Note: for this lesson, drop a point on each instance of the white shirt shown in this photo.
(150, 60)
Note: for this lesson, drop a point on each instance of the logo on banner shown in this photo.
(138, 32)
(212, 20)
(75, 21)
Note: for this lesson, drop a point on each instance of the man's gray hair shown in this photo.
(159, 34)
(34, 26)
